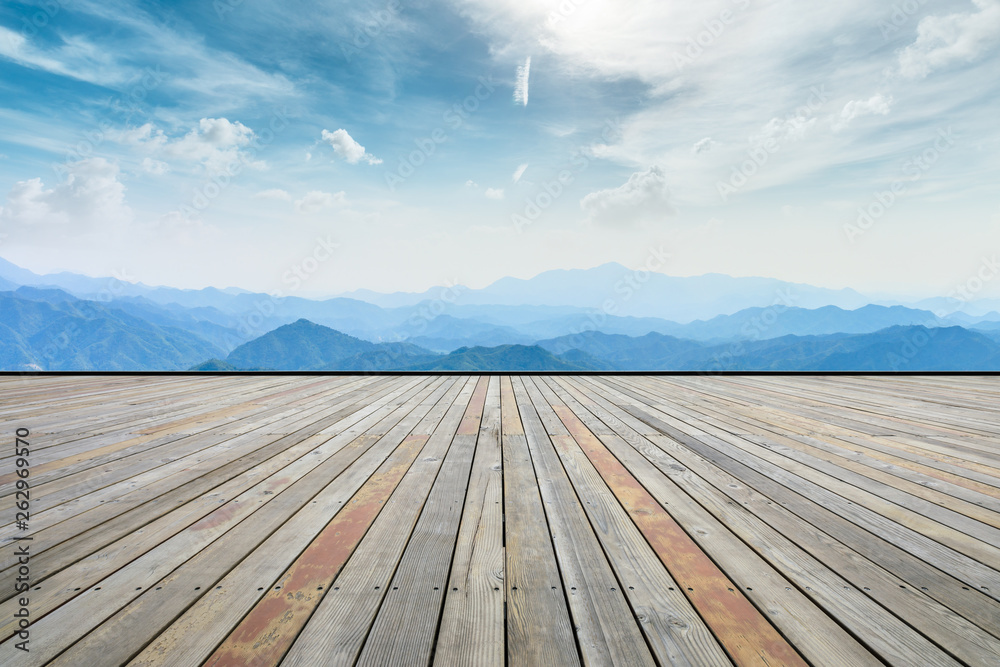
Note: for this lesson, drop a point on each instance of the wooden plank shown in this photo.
(747, 636)
(109, 522)
(472, 623)
(406, 625)
(88, 567)
(907, 529)
(538, 623)
(336, 631)
(919, 574)
(73, 620)
(885, 634)
(266, 633)
(606, 629)
(673, 629)
(194, 635)
(125, 633)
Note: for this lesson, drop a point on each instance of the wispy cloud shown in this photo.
(519, 172)
(494, 193)
(346, 147)
(521, 84)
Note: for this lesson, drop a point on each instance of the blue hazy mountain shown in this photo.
(54, 330)
(652, 351)
(753, 323)
(305, 345)
(906, 348)
(647, 294)
(501, 358)
(138, 327)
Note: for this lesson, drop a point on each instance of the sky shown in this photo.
(396, 145)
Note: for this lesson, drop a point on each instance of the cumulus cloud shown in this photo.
(90, 195)
(877, 104)
(273, 193)
(702, 145)
(519, 172)
(471, 184)
(216, 143)
(521, 84)
(945, 40)
(494, 193)
(155, 167)
(315, 200)
(645, 196)
(346, 147)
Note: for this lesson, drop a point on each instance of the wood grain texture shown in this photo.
(487, 520)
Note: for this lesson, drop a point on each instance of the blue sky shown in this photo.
(221, 143)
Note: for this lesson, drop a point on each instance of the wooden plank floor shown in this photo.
(502, 520)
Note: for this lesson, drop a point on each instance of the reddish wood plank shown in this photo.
(741, 629)
(266, 633)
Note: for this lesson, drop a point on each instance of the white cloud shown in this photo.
(273, 193)
(494, 193)
(944, 40)
(346, 147)
(315, 200)
(877, 104)
(155, 167)
(216, 143)
(521, 84)
(309, 156)
(702, 145)
(471, 184)
(519, 172)
(91, 195)
(645, 196)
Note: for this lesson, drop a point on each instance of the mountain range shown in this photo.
(66, 321)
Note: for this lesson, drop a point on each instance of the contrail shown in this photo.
(521, 87)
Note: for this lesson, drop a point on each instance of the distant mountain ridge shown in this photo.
(136, 327)
(304, 345)
(55, 331)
